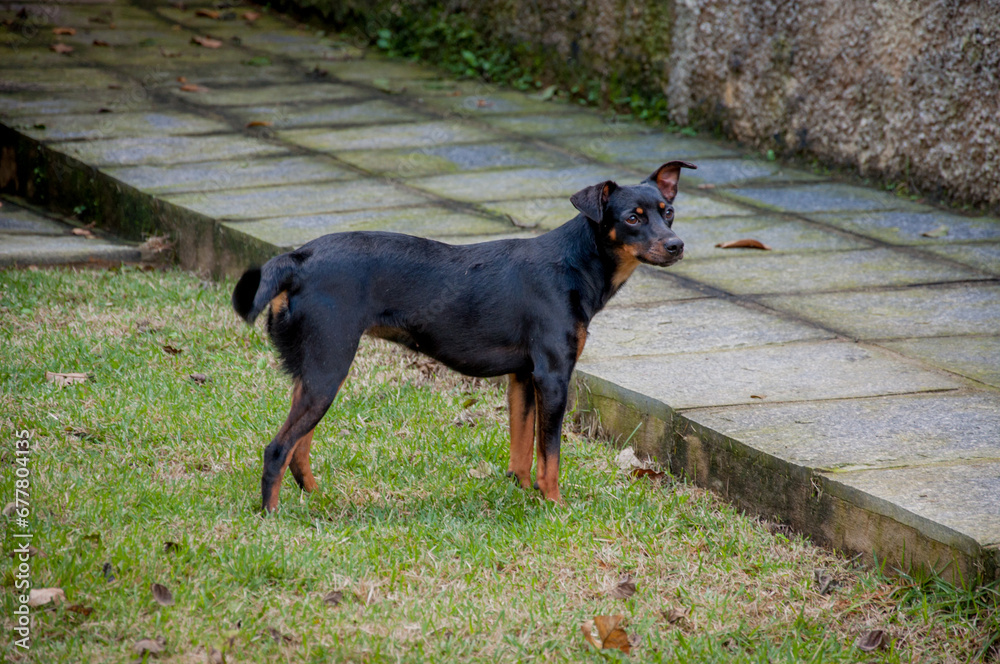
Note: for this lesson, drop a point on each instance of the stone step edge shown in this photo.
(809, 501)
(48, 177)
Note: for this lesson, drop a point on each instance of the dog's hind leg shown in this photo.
(326, 362)
(521, 402)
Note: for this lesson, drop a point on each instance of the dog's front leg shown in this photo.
(551, 391)
(521, 403)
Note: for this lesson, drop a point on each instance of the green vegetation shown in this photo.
(415, 548)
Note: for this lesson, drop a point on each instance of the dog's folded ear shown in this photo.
(665, 178)
(592, 200)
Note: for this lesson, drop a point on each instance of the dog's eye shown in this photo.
(668, 214)
(632, 219)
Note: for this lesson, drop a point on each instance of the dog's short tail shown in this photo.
(258, 286)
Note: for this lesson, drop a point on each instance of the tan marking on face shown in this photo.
(663, 206)
(613, 235)
(627, 262)
(279, 303)
(638, 210)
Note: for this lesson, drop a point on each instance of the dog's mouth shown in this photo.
(661, 258)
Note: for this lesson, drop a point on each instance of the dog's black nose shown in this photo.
(674, 246)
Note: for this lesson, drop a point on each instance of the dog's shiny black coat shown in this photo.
(518, 307)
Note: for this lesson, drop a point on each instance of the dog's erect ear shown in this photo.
(592, 200)
(665, 178)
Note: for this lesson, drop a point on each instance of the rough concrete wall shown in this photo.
(907, 90)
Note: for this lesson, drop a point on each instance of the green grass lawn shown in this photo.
(415, 548)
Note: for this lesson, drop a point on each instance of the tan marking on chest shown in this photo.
(279, 303)
(581, 339)
(627, 262)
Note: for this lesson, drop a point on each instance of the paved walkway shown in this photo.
(844, 382)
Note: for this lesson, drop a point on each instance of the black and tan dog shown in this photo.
(516, 307)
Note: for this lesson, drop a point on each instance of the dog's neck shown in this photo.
(592, 262)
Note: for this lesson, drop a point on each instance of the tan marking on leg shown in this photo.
(279, 303)
(550, 484)
(522, 432)
(300, 466)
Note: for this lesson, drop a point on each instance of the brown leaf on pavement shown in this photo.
(82, 232)
(62, 49)
(610, 634)
(207, 42)
(258, 123)
(251, 16)
(101, 42)
(193, 87)
(162, 596)
(208, 13)
(64, 31)
(746, 243)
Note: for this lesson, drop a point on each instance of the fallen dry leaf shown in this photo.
(482, 471)
(101, 42)
(334, 597)
(64, 31)
(81, 609)
(758, 396)
(706, 186)
(258, 123)
(251, 16)
(876, 639)
(82, 232)
(169, 53)
(42, 596)
(746, 243)
(609, 633)
(153, 646)
(279, 637)
(162, 596)
(61, 48)
(675, 615)
(624, 589)
(940, 231)
(627, 459)
(215, 657)
(172, 350)
(32, 551)
(208, 13)
(64, 379)
(193, 87)
(207, 42)
(9, 509)
(199, 378)
(825, 583)
(171, 547)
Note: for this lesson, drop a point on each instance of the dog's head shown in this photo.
(634, 222)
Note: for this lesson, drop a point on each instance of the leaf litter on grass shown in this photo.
(419, 546)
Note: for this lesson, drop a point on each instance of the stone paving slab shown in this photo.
(825, 271)
(293, 114)
(782, 235)
(168, 149)
(985, 257)
(752, 394)
(519, 183)
(563, 123)
(23, 250)
(290, 232)
(909, 227)
(415, 162)
(262, 202)
(14, 219)
(230, 174)
(121, 125)
(680, 327)
(914, 430)
(953, 502)
(383, 137)
(821, 198)
(928, 311)
(815, 370)
(973, 357)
